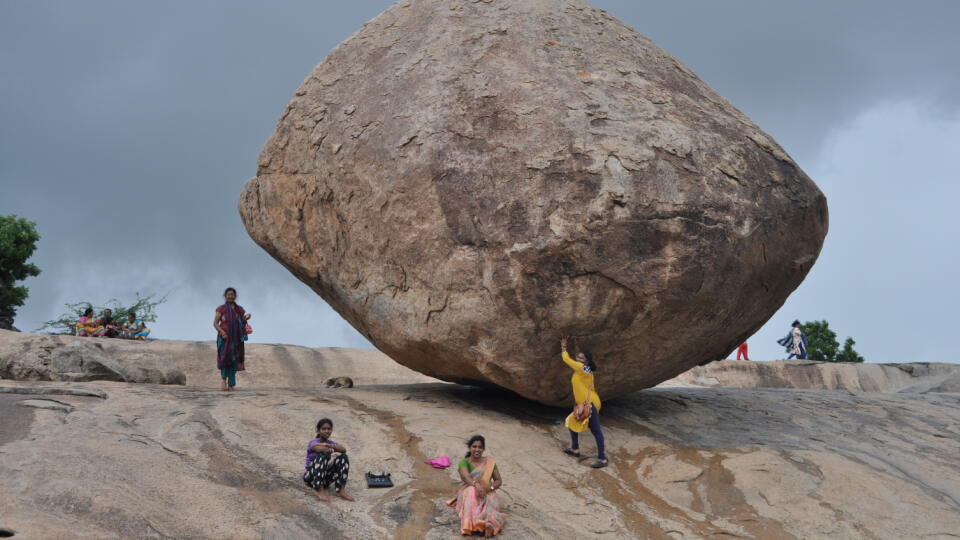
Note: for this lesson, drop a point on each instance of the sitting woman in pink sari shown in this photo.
(87, 326)
(477, 502)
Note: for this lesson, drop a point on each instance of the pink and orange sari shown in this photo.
(475, 513)
(90, 327)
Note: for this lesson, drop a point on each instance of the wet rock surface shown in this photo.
(466, 181)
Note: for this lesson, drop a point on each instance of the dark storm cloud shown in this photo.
(800, 69)
(127, 129)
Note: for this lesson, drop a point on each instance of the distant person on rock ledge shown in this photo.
(795, 342)
(322, 469)
(742, 352)
(87, 326)
(111, 328)
(230, 321)
(477, 502)
(134, 328)
(587, 403)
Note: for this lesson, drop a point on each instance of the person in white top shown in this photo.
(798, 342)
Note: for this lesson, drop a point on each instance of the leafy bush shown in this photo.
(144, 306)
(821, 341)
(822, 344)
(848, 354)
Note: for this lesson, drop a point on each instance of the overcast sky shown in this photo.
(127, 130)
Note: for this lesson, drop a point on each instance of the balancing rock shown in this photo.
(464, 181)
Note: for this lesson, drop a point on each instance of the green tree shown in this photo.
(821, 341)
(18, 241)
(848, 354)
(822, 344)
(144, 306)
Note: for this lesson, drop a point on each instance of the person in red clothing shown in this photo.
(742, 351)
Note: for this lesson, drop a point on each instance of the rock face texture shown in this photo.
(465, 181)
(41, 357)
(67, 358)
(919, 377)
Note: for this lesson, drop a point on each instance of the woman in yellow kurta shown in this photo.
(584, 391)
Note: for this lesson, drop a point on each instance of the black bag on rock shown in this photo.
(378, 480)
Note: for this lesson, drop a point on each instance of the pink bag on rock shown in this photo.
(441, 462)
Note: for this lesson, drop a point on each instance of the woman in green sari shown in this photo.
(477, 502)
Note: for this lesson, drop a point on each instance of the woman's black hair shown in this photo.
(323, 422)
(795, 323)
(132, 314)
(474, 439)
(590, 363)
(88, 312)
(228, 289)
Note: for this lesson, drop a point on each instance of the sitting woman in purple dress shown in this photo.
(322, 468)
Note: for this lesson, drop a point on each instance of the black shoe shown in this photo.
(599, 464)
(571, 452)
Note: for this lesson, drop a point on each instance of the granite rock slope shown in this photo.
(464, 181)
(105, 459)
(167, 461)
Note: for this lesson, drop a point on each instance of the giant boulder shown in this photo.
(464, 181)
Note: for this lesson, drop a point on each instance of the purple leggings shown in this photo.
(595, 429)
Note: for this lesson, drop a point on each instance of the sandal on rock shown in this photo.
(570, 452)
(599, 464)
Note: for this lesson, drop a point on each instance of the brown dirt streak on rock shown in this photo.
(651, 500)
(726, 501)
(427, 487)
(634, 520)
(843, 517)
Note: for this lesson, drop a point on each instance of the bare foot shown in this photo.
(344, 495)
(230, 389)
(223, 386)
(322, 496)
(488, 531)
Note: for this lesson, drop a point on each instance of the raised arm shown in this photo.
(566, 356)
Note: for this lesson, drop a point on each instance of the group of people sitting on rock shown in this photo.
(106, 326)
(477, 502)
